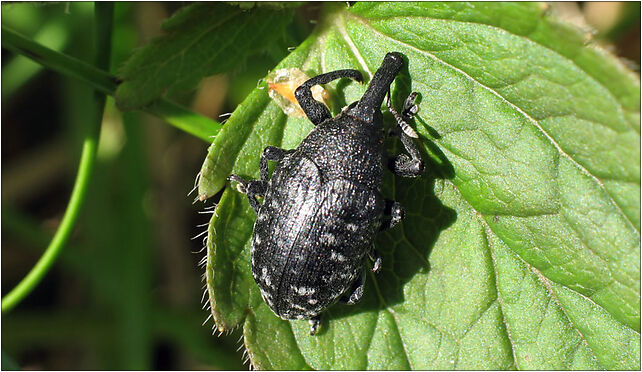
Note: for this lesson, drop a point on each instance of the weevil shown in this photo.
(322, 206)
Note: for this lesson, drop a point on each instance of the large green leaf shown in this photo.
(201, 39)
(520, 247)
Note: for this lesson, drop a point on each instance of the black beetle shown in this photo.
(322, 207)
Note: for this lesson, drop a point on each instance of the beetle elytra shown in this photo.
(322, 205)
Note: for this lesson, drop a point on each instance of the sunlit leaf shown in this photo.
(521, 245)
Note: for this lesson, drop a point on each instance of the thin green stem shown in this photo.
(174, 114)
(59, 62)
(188, 121)
(20, 70)
(104, 15)
(10, 300)
(35, 238)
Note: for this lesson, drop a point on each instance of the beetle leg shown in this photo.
(410, 108)
(270, 153)
(315, 322)
(396, 213)
(376, 259)
(355, 293)
(409, 111)
(403, 165)
(251, 188)
(408, 166)
(315, 110)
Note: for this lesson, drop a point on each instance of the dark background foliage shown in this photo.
(126, 292)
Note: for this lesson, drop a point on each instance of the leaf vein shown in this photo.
(298, 348)
(545, 283)
(344, 33)
(487, 232)
(403, 343)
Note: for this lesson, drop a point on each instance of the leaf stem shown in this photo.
(186, 120)
(174, 114)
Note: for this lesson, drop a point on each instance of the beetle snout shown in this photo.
(394, 61)
(394, 57)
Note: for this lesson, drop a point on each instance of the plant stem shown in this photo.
(104, 16)
(59, 62)
(10, 300)
(174, 114)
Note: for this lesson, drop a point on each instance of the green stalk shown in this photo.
(174, 114)
(20, 70)
(27, 284)
(104, 16)
(59, 62)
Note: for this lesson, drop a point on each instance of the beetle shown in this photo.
(322, 206)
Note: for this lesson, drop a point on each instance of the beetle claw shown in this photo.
(376, 266)
(376, 260)
(410, 107)
(242, 184)
(315, 322)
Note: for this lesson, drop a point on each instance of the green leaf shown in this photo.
(521, 245)
(201, 39)
(267, 4)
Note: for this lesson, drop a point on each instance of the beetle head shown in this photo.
(370, 103)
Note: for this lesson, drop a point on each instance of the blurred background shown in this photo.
(126, 291)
